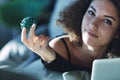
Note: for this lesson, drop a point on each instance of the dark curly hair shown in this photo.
(71, 20)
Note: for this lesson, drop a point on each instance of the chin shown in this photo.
(90, 43)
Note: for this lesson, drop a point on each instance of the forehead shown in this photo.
(105, 7)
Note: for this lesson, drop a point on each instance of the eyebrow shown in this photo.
(104, 15)
(110, 17)
(93, 8)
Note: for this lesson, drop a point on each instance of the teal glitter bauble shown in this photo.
(27, 22)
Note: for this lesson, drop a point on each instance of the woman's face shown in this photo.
(100, 23)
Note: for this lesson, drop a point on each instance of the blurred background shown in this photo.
(13, 11)
(14, 55)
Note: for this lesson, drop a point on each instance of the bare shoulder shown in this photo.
(57, 40)
(57, 45)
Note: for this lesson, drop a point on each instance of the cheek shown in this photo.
(84, 22)
(108, 36)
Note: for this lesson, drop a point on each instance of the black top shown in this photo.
(61, 65)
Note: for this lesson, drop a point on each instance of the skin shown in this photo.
(96, 25)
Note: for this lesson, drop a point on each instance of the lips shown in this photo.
(92, 34)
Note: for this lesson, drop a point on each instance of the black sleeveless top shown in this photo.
(62, 65)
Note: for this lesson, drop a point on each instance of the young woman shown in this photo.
(93, 31)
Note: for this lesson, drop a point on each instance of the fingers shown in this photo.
(30, 41)
(37, 42)
(23, 37)
(34, 43)
(43, 40)
(31, 35)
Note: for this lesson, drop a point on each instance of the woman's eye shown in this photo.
(91, 12)
(108, 21)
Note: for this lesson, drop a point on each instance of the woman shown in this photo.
(93, 30)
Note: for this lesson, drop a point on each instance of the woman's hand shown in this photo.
(38, 44)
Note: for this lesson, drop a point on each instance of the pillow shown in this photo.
(76, 75)
(13, 54)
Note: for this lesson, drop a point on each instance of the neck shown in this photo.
(93, 52)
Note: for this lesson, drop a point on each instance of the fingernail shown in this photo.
(33, 25)
(23, 28)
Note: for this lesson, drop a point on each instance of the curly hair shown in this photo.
(71, 20)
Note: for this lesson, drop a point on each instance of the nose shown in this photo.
(94, 23)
